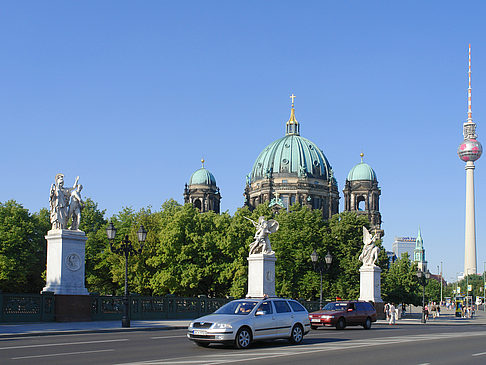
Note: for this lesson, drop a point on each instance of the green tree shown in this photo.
(344, 238)
(432, 291)
(300, 232)
(22, 248)
(400, 284)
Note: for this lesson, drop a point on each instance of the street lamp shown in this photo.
(126, 249)
(321, 267)
(423, 277)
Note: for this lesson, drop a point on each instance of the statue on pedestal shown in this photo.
(370, 251)
(262, 243)
(65, 203)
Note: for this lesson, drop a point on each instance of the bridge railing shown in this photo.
(41, 307)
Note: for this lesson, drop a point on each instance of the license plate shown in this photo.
(199, 332)
(315, 320)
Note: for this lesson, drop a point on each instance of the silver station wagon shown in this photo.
(240, 322)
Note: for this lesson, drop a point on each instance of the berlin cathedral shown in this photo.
(294, 170)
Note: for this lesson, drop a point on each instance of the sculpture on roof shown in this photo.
(261, 244)
(369, 255)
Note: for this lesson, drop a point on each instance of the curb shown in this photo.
(94, 330)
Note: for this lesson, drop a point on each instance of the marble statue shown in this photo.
(262, 243)
(65, 203)
(75, 207)
(370, 251)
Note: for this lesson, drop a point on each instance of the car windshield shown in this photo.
(240, 307)
(335, 306)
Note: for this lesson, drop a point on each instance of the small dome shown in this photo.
(202, 177)
(362, 171)
(470, 150)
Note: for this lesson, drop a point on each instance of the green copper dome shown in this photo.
(362, 171)
(202, 177)
(292, 155)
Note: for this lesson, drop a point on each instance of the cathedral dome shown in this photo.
(292, 155)
(362, 171)
(202, 177)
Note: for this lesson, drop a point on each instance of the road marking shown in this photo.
(479, 354)
(62, 344)
(162, 337)
(259, 354)
(61, 354)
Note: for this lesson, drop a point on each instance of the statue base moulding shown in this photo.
(370, 284)
(261, 275)
(65, 262)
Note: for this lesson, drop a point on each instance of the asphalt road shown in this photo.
(383, 344)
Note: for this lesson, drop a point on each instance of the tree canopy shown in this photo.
(188, 253)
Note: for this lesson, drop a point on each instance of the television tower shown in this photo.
(469, 151)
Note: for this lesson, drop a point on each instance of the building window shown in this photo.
(285, 201)
(284, 181)
(292, 200)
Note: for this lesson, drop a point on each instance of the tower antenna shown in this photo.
(469, 90)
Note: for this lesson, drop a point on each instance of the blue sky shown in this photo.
(130, 96)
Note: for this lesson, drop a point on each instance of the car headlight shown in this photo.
(222, 326)
(327, 317)
(191, 324)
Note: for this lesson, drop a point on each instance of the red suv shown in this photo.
(344, 313)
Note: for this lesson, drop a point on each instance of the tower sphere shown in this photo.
(470, 150)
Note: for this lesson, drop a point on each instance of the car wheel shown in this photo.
(297, 334)
(341, 324)
(243, 338)
(313, 327)
(367, 324)
(202, 344)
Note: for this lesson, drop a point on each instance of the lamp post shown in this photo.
(423, 277)
(126, 249)
(321, 267)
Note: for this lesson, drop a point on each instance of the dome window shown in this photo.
(285, 161)
(287, 145)
(316, 163)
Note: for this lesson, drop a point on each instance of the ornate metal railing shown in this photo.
(27, 307)
(41, 307)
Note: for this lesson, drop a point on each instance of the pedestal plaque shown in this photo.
(65, 262)
(370, 284)
(261, 275)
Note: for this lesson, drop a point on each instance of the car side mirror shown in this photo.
(260, 313)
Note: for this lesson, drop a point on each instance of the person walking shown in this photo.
(393, 314)
(387, 311)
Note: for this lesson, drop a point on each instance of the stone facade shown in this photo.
(308, 191)
(203, 197)
(363, 197)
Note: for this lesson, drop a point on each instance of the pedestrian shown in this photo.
(392, 313)
(426, 312)
(433, 310)
(438, 311)
(387, 311)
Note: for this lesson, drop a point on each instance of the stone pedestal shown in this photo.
(65, 262)
(73, 308)
(261, 275)
(370, 284)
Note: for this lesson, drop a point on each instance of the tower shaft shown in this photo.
(470, 228)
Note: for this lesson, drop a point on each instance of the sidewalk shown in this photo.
(446, 317)
(49, 328)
